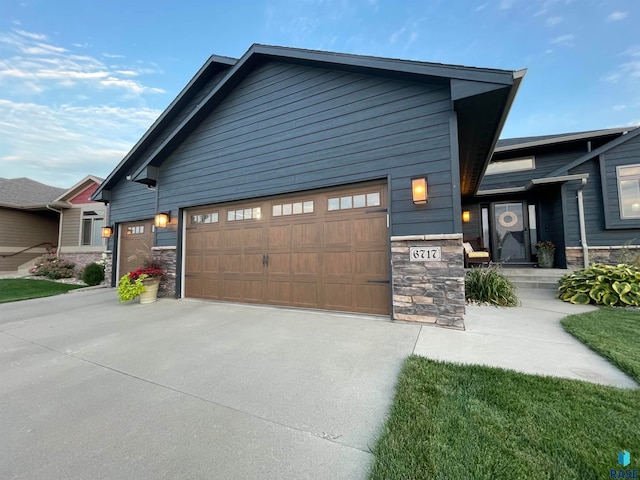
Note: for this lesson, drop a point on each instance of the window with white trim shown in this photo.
(508, 166)
(629, 190)
(92, 223)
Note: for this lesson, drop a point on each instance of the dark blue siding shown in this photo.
(597, 234)
(627, 153)
(289, 128)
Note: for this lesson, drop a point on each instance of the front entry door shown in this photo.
(511, 232)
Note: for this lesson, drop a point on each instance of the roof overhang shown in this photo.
(536, 182)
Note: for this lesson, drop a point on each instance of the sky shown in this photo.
(82, 80)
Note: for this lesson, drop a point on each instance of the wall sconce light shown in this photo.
(162, 219)
(107, 232)
(466, 216)
(419, 190)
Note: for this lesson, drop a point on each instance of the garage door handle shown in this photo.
(265, 260)
(267, 255)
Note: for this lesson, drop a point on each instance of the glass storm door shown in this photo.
(511, 234)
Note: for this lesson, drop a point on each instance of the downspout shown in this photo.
(59, 212)
(583, 230)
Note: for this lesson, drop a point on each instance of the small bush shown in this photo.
(53, 267)
(613, 286)
(93, 274)
(488, 285)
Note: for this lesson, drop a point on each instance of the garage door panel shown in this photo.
(369, 229)
(310, 257)
(304, 263)
(338, 296)
(210, 263)
(337, 232)
(305, 294)
(338, 263)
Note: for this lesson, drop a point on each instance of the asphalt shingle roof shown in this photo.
(24, 192)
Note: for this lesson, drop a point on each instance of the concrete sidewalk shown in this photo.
(528, 339)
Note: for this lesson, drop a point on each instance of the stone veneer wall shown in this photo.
(166, 258)
(108, 267)
(82, 259)
(429, 292)
(605, 255)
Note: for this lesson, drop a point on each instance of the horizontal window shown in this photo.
(629, 191)
(205, 218)
(244, 214)
(354, 201)
(507, 166)
(295, 208)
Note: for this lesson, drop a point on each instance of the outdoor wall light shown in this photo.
(162, 219)
(107, 232)
(419, 190)
(466, 216)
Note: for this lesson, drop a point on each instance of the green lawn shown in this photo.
(469, 422)
(12, 289)
(612, 332)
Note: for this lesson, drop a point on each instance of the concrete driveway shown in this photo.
(90, 388)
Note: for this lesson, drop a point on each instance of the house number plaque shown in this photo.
(425, 254)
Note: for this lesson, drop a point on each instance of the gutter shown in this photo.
(59, 212)
(583, 230)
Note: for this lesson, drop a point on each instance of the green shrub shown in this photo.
(93, 274)
(613, 286)
(488, 285)
(53, 267)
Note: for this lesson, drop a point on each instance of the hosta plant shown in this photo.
(613, 286)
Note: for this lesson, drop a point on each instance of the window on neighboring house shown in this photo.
(507, 166)
(629, 190)
(92, 223)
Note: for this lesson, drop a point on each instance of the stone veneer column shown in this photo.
(429, 291)
(166, 258)
(108, 267)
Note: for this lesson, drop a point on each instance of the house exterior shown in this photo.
(35, 218)
(27, 226)
(580, 191)
(287, 177)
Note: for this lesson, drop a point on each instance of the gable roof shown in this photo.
(594, 153)
(214, 65)
(26, 193)
(78, 187)
(497, 87)
(509, 144)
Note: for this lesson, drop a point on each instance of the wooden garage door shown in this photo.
(325, 250)
(136, 240)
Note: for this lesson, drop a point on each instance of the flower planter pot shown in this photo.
(150, 294)
(545, 258)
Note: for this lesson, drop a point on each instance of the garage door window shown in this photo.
(295, 208)
(244, 214)
(205, 218)
(354, 201)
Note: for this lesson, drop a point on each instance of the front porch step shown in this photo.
(536, 278)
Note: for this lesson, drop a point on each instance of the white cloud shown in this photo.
(57, 144)
(629, 70)
(47, 66)
(553, 21)
(563, 40)
(112, 55)
(506, 4)
(481, 7)
(396, 35)
(617, 16)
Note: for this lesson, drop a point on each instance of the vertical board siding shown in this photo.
(627, 153)
(289, 128)
(71, 227)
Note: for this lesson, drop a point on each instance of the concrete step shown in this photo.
(535, 278)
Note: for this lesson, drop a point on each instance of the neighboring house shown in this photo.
(35, 217)
(27, 226)
(579, 190)
(81, 223)
(288, 178)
